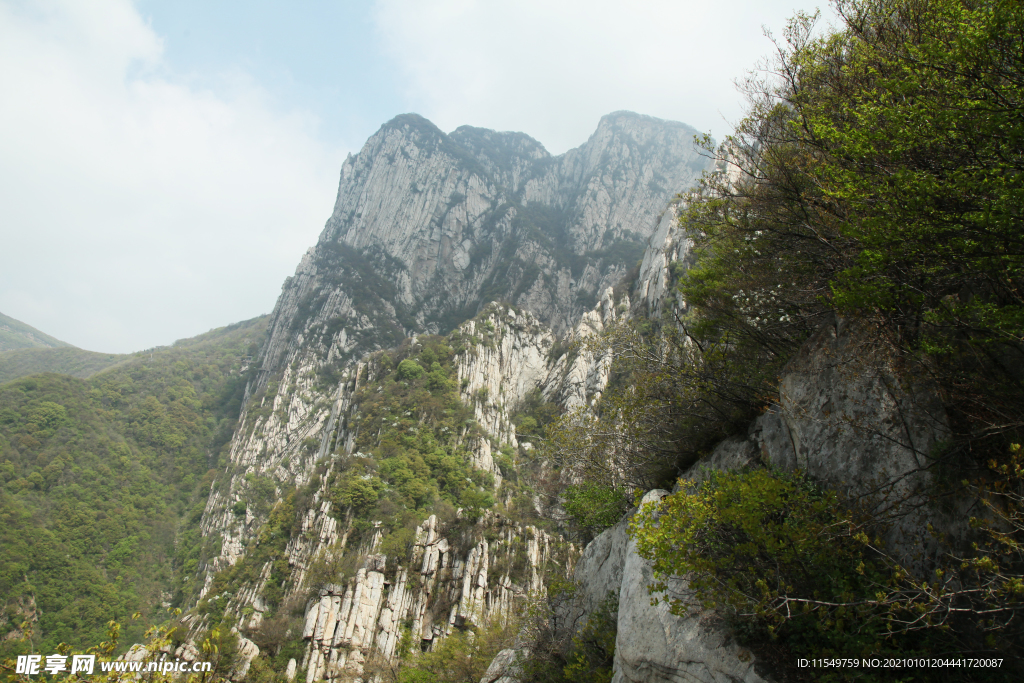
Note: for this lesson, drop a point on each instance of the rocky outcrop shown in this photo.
(506, 359)
(852, 422)
(428, 227)
(273, 444)
(506, 667)
(652, 644)
(845, 419)
(439, 589)
(669, 244)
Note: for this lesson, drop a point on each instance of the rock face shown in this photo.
(851, 421)
(441, 589)
(507, 357)
(845, 420)
(427, 227)
(669, 244)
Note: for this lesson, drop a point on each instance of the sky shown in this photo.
(164, 164)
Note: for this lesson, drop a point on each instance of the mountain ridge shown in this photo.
(15, 334)
(428, 227)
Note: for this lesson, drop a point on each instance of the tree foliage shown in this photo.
(414, 436)
(878, 176)
(594, 507)
(788, 561)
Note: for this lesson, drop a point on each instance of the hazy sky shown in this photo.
(165, 163)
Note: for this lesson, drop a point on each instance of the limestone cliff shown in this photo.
(428, 227)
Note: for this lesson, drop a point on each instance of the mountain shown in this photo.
(385, 507)
(286, 464)
(15, 334)
(357, 485)
(428, 227)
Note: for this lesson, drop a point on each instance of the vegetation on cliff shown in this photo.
(412, 455)
(878, 177)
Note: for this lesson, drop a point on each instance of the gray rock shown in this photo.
(851, 420)
(771, 435)
(425, 222)
(506, 667)
(247, 652)
(597, 574)
(654, 645)
(856, 427)
(733, 453)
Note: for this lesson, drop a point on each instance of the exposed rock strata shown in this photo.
(440, 590)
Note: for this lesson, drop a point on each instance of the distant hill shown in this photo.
(76, 362)
(66, 361)
(24, 351)
(15, 334)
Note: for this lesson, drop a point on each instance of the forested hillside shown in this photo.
(103, 482)
(64, 360)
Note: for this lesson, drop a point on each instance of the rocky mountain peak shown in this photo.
(429, 227)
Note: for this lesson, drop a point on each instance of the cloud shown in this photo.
(139, 207)
(551, 69)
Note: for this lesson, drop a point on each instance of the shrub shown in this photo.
(595, 507)
(409, 370)
(789, 564)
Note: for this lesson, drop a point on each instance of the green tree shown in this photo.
(409, 369)
(595, 507)
(879, 174)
